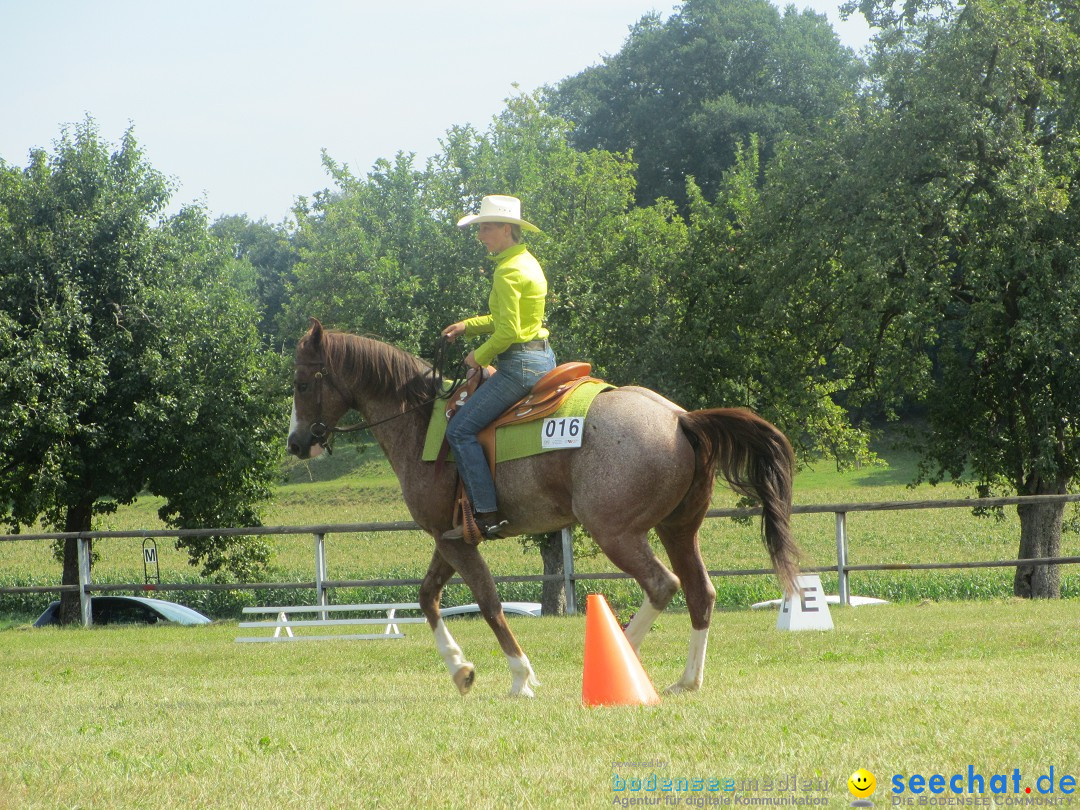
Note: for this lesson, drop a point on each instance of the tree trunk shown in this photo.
(553, 597)
(1040, 536)
(77, 519)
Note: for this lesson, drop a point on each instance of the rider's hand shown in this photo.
(454, 331)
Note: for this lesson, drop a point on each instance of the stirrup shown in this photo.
(493, 531)
(477, 531)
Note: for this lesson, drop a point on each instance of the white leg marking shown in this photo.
(640, 624)
(449, 649)
(316, 449)
(695, 664)
(524, 677)
(292, 421)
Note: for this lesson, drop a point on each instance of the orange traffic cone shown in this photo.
(613, 674)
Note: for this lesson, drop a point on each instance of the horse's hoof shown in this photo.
(464, 677)
(681, 688)
(524, 688)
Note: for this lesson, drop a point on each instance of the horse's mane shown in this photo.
(381, 369)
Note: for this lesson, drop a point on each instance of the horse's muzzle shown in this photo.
(304, 448)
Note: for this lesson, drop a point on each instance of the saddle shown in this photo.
(546, 396)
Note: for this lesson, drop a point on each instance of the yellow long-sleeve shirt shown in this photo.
(515, 305)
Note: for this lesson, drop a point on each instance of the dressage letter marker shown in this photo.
(562, 432)
(808, 610)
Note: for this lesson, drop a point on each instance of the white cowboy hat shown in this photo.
(498, 208)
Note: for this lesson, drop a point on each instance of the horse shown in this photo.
(644, 463)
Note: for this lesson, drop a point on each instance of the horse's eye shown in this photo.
(301, 387)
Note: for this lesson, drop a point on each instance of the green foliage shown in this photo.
(926, 245)
(265, 256)
(369, 256)
(951, 237)
(129, 360)
(382, 255)
(682, 93)
(1011, 217)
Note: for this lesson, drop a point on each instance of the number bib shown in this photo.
(563, 431)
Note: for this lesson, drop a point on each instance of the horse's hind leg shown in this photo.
(438, 574)
(682, 547)
(466, 560)
(634, 556)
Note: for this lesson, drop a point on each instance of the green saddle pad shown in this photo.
(515, 441)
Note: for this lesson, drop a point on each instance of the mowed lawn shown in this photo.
(164, 717)
(172, 717)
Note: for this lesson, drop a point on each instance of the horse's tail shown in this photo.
(756, 459)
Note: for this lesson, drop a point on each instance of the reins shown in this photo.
(323, 434)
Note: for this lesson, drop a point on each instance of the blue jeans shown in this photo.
(517, 372)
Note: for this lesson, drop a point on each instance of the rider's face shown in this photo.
(495, 236)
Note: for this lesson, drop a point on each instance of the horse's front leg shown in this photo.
(466, 560)
(438, 574)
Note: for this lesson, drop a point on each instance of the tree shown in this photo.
(941, 258)
(758, 331)
(266, 256)
(376, 259)
(128, 363)
(1005, 170)
(682, 93)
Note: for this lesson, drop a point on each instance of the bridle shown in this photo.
(320, 431)
(323, 434)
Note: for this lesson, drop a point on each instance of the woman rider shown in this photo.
(517, 346)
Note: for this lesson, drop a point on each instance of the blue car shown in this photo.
(129, 610)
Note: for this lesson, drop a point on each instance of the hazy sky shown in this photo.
(234, 99)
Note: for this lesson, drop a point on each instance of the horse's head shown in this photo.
(318, 402)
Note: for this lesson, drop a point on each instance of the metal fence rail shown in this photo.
(321, 584)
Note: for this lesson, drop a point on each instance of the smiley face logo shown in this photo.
(862, 783)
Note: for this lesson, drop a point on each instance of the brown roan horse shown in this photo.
(644, 464)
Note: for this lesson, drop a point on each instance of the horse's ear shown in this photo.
(316, 332)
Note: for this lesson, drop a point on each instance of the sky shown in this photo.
(235, 100)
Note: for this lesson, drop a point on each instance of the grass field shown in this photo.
(351, 488)
(169, 717)
(172, 717)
